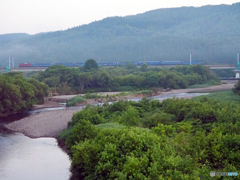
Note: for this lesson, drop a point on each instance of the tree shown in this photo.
(17, 94)
(90, 64)
(130, 65)
(144, 67)
(104, 79)
(237, 88)
(84, 80)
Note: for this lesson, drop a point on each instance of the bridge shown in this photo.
(28, 69)
(228, 78)
(222, 66)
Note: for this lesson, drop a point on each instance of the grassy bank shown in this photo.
(80, 99)
(223, 96)
(205, 85)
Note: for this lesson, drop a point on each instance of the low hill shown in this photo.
(209, 33)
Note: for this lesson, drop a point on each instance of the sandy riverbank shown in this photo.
(43, 124)
(50, 123)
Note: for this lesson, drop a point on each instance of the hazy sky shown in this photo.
(35, 16)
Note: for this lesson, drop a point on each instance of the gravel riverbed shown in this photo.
(51, 123)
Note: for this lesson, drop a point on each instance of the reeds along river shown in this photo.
(23, 158)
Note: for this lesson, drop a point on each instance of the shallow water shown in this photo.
(178, 95)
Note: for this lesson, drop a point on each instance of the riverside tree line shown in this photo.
(18, 94)
(91, 78)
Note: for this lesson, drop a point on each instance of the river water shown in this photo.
(24, 158)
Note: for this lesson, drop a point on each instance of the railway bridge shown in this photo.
(28, 69)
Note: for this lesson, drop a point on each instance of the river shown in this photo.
(24, 158)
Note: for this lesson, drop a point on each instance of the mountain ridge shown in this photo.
(210, 33)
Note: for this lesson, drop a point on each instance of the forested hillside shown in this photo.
(209, 33)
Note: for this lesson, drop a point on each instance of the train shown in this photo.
(149, 63)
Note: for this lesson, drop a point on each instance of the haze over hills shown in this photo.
(209, 33)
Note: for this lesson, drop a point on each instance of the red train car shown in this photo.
(25, 65)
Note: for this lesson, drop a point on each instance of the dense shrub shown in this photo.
(65, 80)
(75, 100)
(130, 117)
(175, 139)
(18, 94)
(153, 119)
(89, 113)
(129, 154)
(81, 131)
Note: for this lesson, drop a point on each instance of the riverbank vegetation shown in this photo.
(64, 80)
(223, 96)
(80, 99)
(236, 90)
(224, 72)
(18, 94)
(176, 139)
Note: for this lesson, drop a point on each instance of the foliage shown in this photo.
(75, 100)
(224, 72)
(154, 118)
(130, 117)
(92, 96)
(223, 96)
(236, 89)
(177, 139)
(19, 94)
(129, 154)
(66, 80)
(90, 64)
(201, 85)
(144, 67)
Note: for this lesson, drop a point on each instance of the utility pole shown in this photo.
(13, 62)
(238, 64)
(238, 57)
(190, 59)
(9, 63)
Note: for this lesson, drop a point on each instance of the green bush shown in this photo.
(152, 120)
(130, 117)
(187, 139)
(145, 92)
(92, 96)
(75, 100)
(81, 131)
(89, 113)
(18, 94)
(129, 154)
